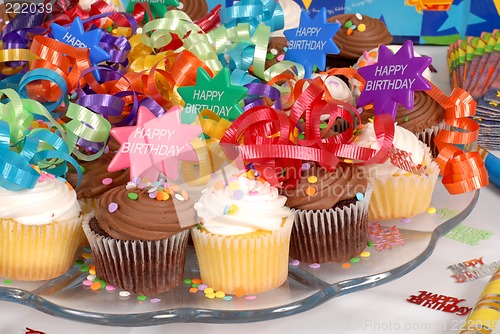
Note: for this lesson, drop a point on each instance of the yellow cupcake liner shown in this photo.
(403, 196)
(39, 252)
(252, 263)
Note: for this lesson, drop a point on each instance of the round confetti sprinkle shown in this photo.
(281, 57)
(86, 255)
(86, 282)
(365, 254)
(348, 161)
(358, 16)
(227, 298)
(232, 209)
(274, 51)
(79, 262)
(220, 294)
(187, 281)
(314, 265)
(354, 260)
(133, 196)
(301, 136)
(110, 287)
(431, 210)
(95, 286)
(208, 290)
(323, 126)
(107, 181)
(294, 262)
(360, 196)
(238, 194)
(226, 210)
(195, 285)
(130, 185)
(253, 193)
(370, 244)
(234, 186)
(361, 27)
(348, 24)
(141, 298)
(251, 297)
(184, 194)
(155, 300)
(406, 220)
(306, 166)
(91, 277)
(312, 179)
(210, 295)
(124, 294)
(346, 265)
(349, 32)
(269, 56)
(219, 185)
(87, 249)
(193, 290)
(112, 207)
(7, 281)
(84, 268)
(202, 287)
(405, 119)
(152, 190)
(310, 191)
(92, 270)
(239, 292)
(199, 207)
(196, 281)
(179, 197)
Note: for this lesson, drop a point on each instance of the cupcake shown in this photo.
(399, 193)
(242, 242)
(40, 229)
(139, 237)
(358, 33)
(331, 213)
(195, 9)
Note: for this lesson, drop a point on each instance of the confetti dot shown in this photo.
(152, 195)
(226, 210)
(312, 179)
(365, 254)
(227, 298)
(112, 207)
(349, 32)
(269, 56)
(294, 262)
(110, 287)
(234, 186)
(130, 185)
(195, 285)
(314, 266)
(251, 297)
(281, 57)
(133, 196)
(310, 191)
(348, 24)
(220, 294)
(348, 161)
(360, 196)
(92, 270)
(91, 277)
(95, 286)
(239, 292)
(354, 260)
(253, 193)
(79, 262)
(210, 295)
(124, 294)
(199, 207)
(238, 194)
(174, 187)
(370, 244)
(219, 185)
(197, 281)
(232, 209)
(141, 298)
(306, 166)
(179, 197)
(202, 287)
(184, 194)
(358, 16)
(361, 27)
(405, 119)
(208, 290)
(155, 300)
(274, 51)
(187, 281)
(87, 249)
(406, 220)
(107, 181)
(86, 255)
(301, 136)
(193, 290)
(162, 196)
(346, 265)
(86, 282)
(431, 210)
(84, 268)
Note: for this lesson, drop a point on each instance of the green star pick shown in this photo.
(158, 7)
(216, 94)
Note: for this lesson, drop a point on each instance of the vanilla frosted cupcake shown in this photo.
(399, 193)
(40, 230)
(243, 242)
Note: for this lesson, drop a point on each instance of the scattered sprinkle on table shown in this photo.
(406, 220)
(202, 287)
(294, 262)
(141, 298)
(365, 254)
(346, 265)
(110, 287)
(354, 260)
(314, 266)
(155, 300)
(7, 281)
(431, 210)
(239, 292)
(124, 294)
(251, 297)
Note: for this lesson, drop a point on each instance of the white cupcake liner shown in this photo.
(333, 235)
(147, 267)
(427, 136)
(254, 262)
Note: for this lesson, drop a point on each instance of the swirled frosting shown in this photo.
(52, 200)
(195, 9)
(243, 206)
(144, 218)
(403, 140)
(291, 11)
(319, 189)
(91, 185)
(337, 88)
(352, 46)
(426, 112)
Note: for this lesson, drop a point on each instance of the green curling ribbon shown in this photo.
(156, 34)
(260, 39)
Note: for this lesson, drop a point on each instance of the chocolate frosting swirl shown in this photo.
(145, 218)
(352, 46)
(195, 9)
(426, 112)
(91, 185)
(331, 187)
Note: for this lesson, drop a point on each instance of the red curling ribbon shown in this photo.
(462, 172)
(209, 21)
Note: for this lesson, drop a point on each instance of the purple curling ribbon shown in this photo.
(257, 92)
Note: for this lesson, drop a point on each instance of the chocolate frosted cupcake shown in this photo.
(195, 9)
(425, 120)
(139, 238)
(358, 33)
(331, 214)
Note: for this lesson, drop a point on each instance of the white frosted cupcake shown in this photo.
(243, 242)
(398, 193)
(40, 230)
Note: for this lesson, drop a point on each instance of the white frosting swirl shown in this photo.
(51, 200)
(403, 140)
(291, 11)
(243, 206)
(337, 87)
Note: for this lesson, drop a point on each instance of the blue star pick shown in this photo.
(311, 41)
(77, 37)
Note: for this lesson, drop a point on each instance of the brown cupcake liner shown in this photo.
(334, 235)
(142, 267)
(427, 136)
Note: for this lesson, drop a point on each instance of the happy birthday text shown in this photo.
(147, 148)
(306, 44)
(209, 96)
(390, 83)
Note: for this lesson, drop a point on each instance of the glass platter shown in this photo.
(305, 288)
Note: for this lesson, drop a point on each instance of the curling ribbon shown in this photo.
(462, 172)
(254, 12)
(48, 150)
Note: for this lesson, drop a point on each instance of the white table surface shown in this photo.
(381, 309)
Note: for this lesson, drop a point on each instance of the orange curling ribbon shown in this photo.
(462, 172)
(349, 73)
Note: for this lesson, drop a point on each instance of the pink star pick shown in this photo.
(154, 145)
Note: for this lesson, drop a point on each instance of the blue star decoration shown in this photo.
(393, 79)
(455, 18)
(311, 41)
(77, 37)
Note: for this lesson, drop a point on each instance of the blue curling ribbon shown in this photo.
(242, 78)
(254, 12)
